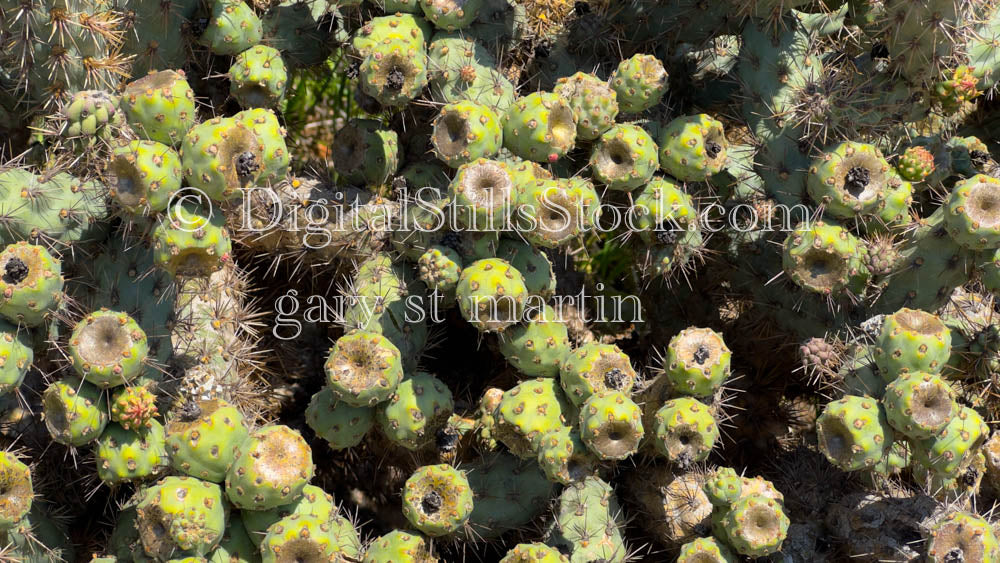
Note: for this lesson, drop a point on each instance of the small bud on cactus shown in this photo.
(916, 163)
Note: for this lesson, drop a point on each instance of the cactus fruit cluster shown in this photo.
(391, 281)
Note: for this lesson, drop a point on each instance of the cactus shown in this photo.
(394, 72)
(313, 502)
(221, 157)
(564, 457)
(108, 348)
(692, 148)
(912, 341)
(919, 405)
(18, 490)
(850, 180)
(538, 347)
(853, 432)
(540, 127)
(686, 431)
(91, 117)
(398, 545)
(551, 213)
(950, 451)
(970, 217)
(145, 176)
(593, 100)
(723, 487)
(258, 77)
(639, 82)
(232, 27)
(491, 294)
(191, 242)
(466, 131)
(916, 163)
(437, 499)
(962, 535)
(16, 357)
(271, 136)
(31, 287)
(528, 412)
(705, 550)
(611, 425)
(270, 469)
(825, 259)
(593, 368)
(756, 526)
(624, 158)
(697, 361)
(125, 454)
(533, 553)
(180, 516)
(413, 414)
(363, 369)
(301, 536)
(160, 107)
(340, 424)
(483, 195)
(202, 438)
(366, 153)
(75, 411)
(587, 524)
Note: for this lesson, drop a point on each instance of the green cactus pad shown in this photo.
(538, 347)
(587, 525)
(313, 502)
(451, 14)
(232, 27)
(723, 487)
(366, 152)
(394, 72)
(564, 457)
(533, 553)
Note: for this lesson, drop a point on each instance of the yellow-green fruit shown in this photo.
(919, 405)
(202, 438)
(16, 490)
(437, 499)
(853, 432)
(693, 147)
(596, 367)
(127, 455)
(304, 537)
(180, 516)
(190, 241)
(705, 550)
(270, 469)
(540, 127)
(850, 180)
(912, 341)
(528, 412)
(686, 431)
(108, 348)
(756, 526)
(399, 547)
(31, 286)
(491, 294)
(697, 361)
(639, 83)
(75, 411)
(972, 213)
(414, 413)
(611, 425)
(534, 553)
(962, 536)
(363, 368)
(952, 449)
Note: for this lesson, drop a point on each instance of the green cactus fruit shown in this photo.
(588, 524)
(593, 100)
(611, 425)
(465, 131)
(363, 368)
(418, 408)
(540, 127)
(971, 213)
(235, 545)
(187, 241)
(962, 536)
(180, 516)
(850, 180)
(551, 213)
(75, 411)
(705, 550)
(128, 455)
(824, 259)
(271, 136)
(232, 27)
(108, 348)
(396, 25)
(662, 209)
(313, 502)
(912, 341)
(145, 175)
(16, 356)
(133, 407)
(697, 361)
(340, 424)
(31, 287)
(853, 432)
(270, 469)
(451, 14)
(18, 491)
(640, 82)
(916, 163)
(528, 412)
(258, 77)
(304, 537)
(596, 367)
(399, 546)
(686, 431)
(533, 553)
(394, 73)
(365, 152)
(693, 147)
(437, 499)
(919, 405)
(952, 449)
(483, 195)
(756, 526)
(91, 116)
(533, 264)
(202, 438)
(221, 157)
(440, 268)
(564, 457)
(624, 158)
(538, 347)
(723, 487)
(491, 294)
(160, 106)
